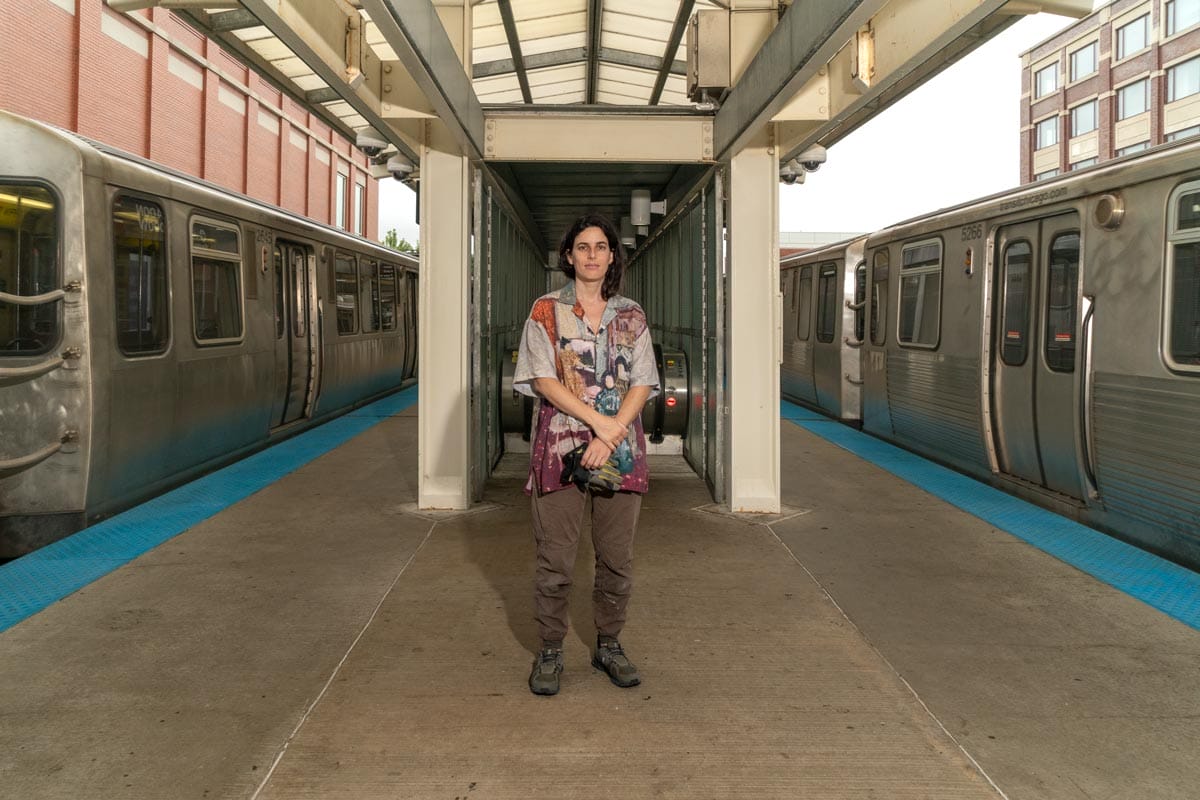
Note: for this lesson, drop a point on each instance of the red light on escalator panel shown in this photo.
(671, 401)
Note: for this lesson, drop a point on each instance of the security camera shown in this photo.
(399, 167)
(370, 143)
(813, 157)
(791, 173)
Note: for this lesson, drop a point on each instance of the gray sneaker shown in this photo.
(548, 665)
(610, 658)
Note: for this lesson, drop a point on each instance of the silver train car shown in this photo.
(1046, 340)
(153, 326)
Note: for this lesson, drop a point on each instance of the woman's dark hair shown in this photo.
(616, 270)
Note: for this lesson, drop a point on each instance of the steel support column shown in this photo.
(443, 441)
(752, 331)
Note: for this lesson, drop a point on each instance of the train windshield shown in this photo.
(1185, 283)
(29, 245)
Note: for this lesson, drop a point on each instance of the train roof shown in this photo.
(1155, 162)
(111, 152)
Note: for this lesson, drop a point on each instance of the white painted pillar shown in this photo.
(753, 343)
(444, 390)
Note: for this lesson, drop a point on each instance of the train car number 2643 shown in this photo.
(971, 232)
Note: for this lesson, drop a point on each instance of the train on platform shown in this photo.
(1045, 340)
(154, 326)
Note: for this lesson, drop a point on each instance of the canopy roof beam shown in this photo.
(681, 21)
(415, 32)
(595, 16)
(574, 55)
(514, 47)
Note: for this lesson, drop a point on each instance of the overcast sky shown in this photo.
(953, 139)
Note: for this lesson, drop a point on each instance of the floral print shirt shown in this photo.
(597, 367)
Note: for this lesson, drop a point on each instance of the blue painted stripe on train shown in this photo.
(33, 582)
(1170, 588)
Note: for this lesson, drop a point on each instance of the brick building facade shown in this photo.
(1122, 79)
(149, 84)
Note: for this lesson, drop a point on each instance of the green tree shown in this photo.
(393, 241)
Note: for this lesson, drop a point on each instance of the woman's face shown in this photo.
(590, 255)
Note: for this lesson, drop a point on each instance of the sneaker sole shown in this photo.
(623, 685)
(544, 692)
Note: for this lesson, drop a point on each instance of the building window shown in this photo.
(1183, 80)
(1083, 118)
(879, 285)
(804, 319)
(140, 275)
(1087, 162)
(1181, 15)
(1133, 148)
(29, 245)
(346, 290)
(1050, 173)
(339, 202)
(1186, 133)
(1047, 133)
(1183, 281)
(360, 204)
(1083, 61)
(1062, 293)
(1133, 99)
(1045, 80)
(216, 282)
(1133, 37)
(921, 293)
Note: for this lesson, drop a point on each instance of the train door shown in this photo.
(1034, 400)
(296, 346)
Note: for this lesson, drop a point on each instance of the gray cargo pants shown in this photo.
(557, 520)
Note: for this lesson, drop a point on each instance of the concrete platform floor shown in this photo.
(322, 640)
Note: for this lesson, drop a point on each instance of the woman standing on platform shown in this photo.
(587, 440)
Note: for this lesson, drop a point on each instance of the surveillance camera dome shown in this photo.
(791, 173)
(399, 166)
(371, 143)
(813, 157)
(811, 166)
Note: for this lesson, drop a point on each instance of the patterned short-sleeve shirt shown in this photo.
(598, 368)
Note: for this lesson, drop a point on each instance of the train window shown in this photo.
(1183, 281)
(140, 274)
(827, 308)
(28, 266)
(216, 282)
(1062, 290)
(346, 288)
(1014, 324)
(387, 297)
(280, 323)
(920, 293)
(879, 294)
(804, 318)
(369, 292)
(860, 301)
(299, 274)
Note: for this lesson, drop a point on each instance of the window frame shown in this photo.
(1118, 93)
(341, 201)
(218, 255)
(1075, 307)
(1167, 11)
(921, 271)
(160, 203)
(1095, 104)
(879, 298)
(1169, 75)
(1005, 299)
(1046, 175)
(804, 314)
(1094, 46)
(1049, 123)
(338, 254)
(1118, 53)
(1038, 94)
(827, 308)
(1173, 238)
(59, 267)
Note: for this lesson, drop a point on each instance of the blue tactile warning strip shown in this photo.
(1162, 584)
(33, 582)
